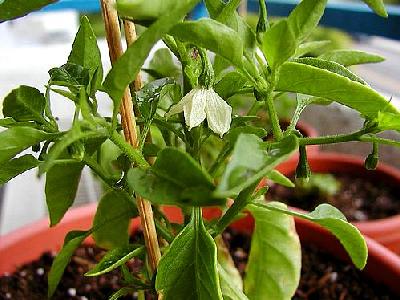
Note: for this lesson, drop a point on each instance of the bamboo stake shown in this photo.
(129, 124)
(243, 8)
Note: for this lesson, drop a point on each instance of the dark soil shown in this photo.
(29, 282)
(322, 277)
(359, 199)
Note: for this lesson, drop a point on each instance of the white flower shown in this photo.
(201, 103)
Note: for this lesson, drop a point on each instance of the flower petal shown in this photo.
(178, 108)
(194, 110)
(219, 113)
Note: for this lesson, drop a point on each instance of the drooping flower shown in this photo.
(202, 103)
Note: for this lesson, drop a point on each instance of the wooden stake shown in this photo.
(243, 8)
(128, 121)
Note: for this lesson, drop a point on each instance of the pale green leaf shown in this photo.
(278, 44)
(230, 84)
(188, 270)
(329, 66)
(309, 80)
(388, 121)
(227, 266)
(279, 178)
(377, 6)
(273, 268)
(212, 35)
(144, 9)
(351, 57)
(332, 219)
(305, 17)
(229, 291)
(244, 170)
(309, 47)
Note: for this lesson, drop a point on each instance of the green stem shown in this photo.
(163, 231)
(379, 140)
(331, 139)
(220, 159)
(95, 167)
(268, 95)
(134, 155)
(240, 203)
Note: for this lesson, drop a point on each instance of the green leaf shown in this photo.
(388, 121)
(244, 170)
(188, 270)
(224, 13)
(351, 57)
(279, 178)
(125, 291)
(71, 137)
(310, 47)
(305, 17)
(16, 166)
(128, 65)
(309, 80)
(179, 167)
(273, 268)
(175, 179)
(62, 182)
(377, 6)
(12, 9)
(330, 66)
(162, 65)
(226, 267)
(144, 10)
(17, 139)
(234, 133)
(230, 84)
(278, 44)
(212, 35)
(70, 75)
(25, 104)
(333, 220)
(112, 219)
(116, 258)
(86, 53)
(229, 291)
(71, 243)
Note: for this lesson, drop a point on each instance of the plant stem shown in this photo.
(134, 155)
(220, 159)
(113, 34)
(330, 139)
(268, 95)
(240, 203)
(95, 167)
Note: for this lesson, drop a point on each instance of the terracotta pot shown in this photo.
(383, 265)
(385, 231)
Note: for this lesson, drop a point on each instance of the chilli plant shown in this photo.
(171, 124)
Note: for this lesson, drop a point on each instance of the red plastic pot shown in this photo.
(28, 243)
(385, 231)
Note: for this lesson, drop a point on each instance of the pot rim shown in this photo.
(354, 160)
